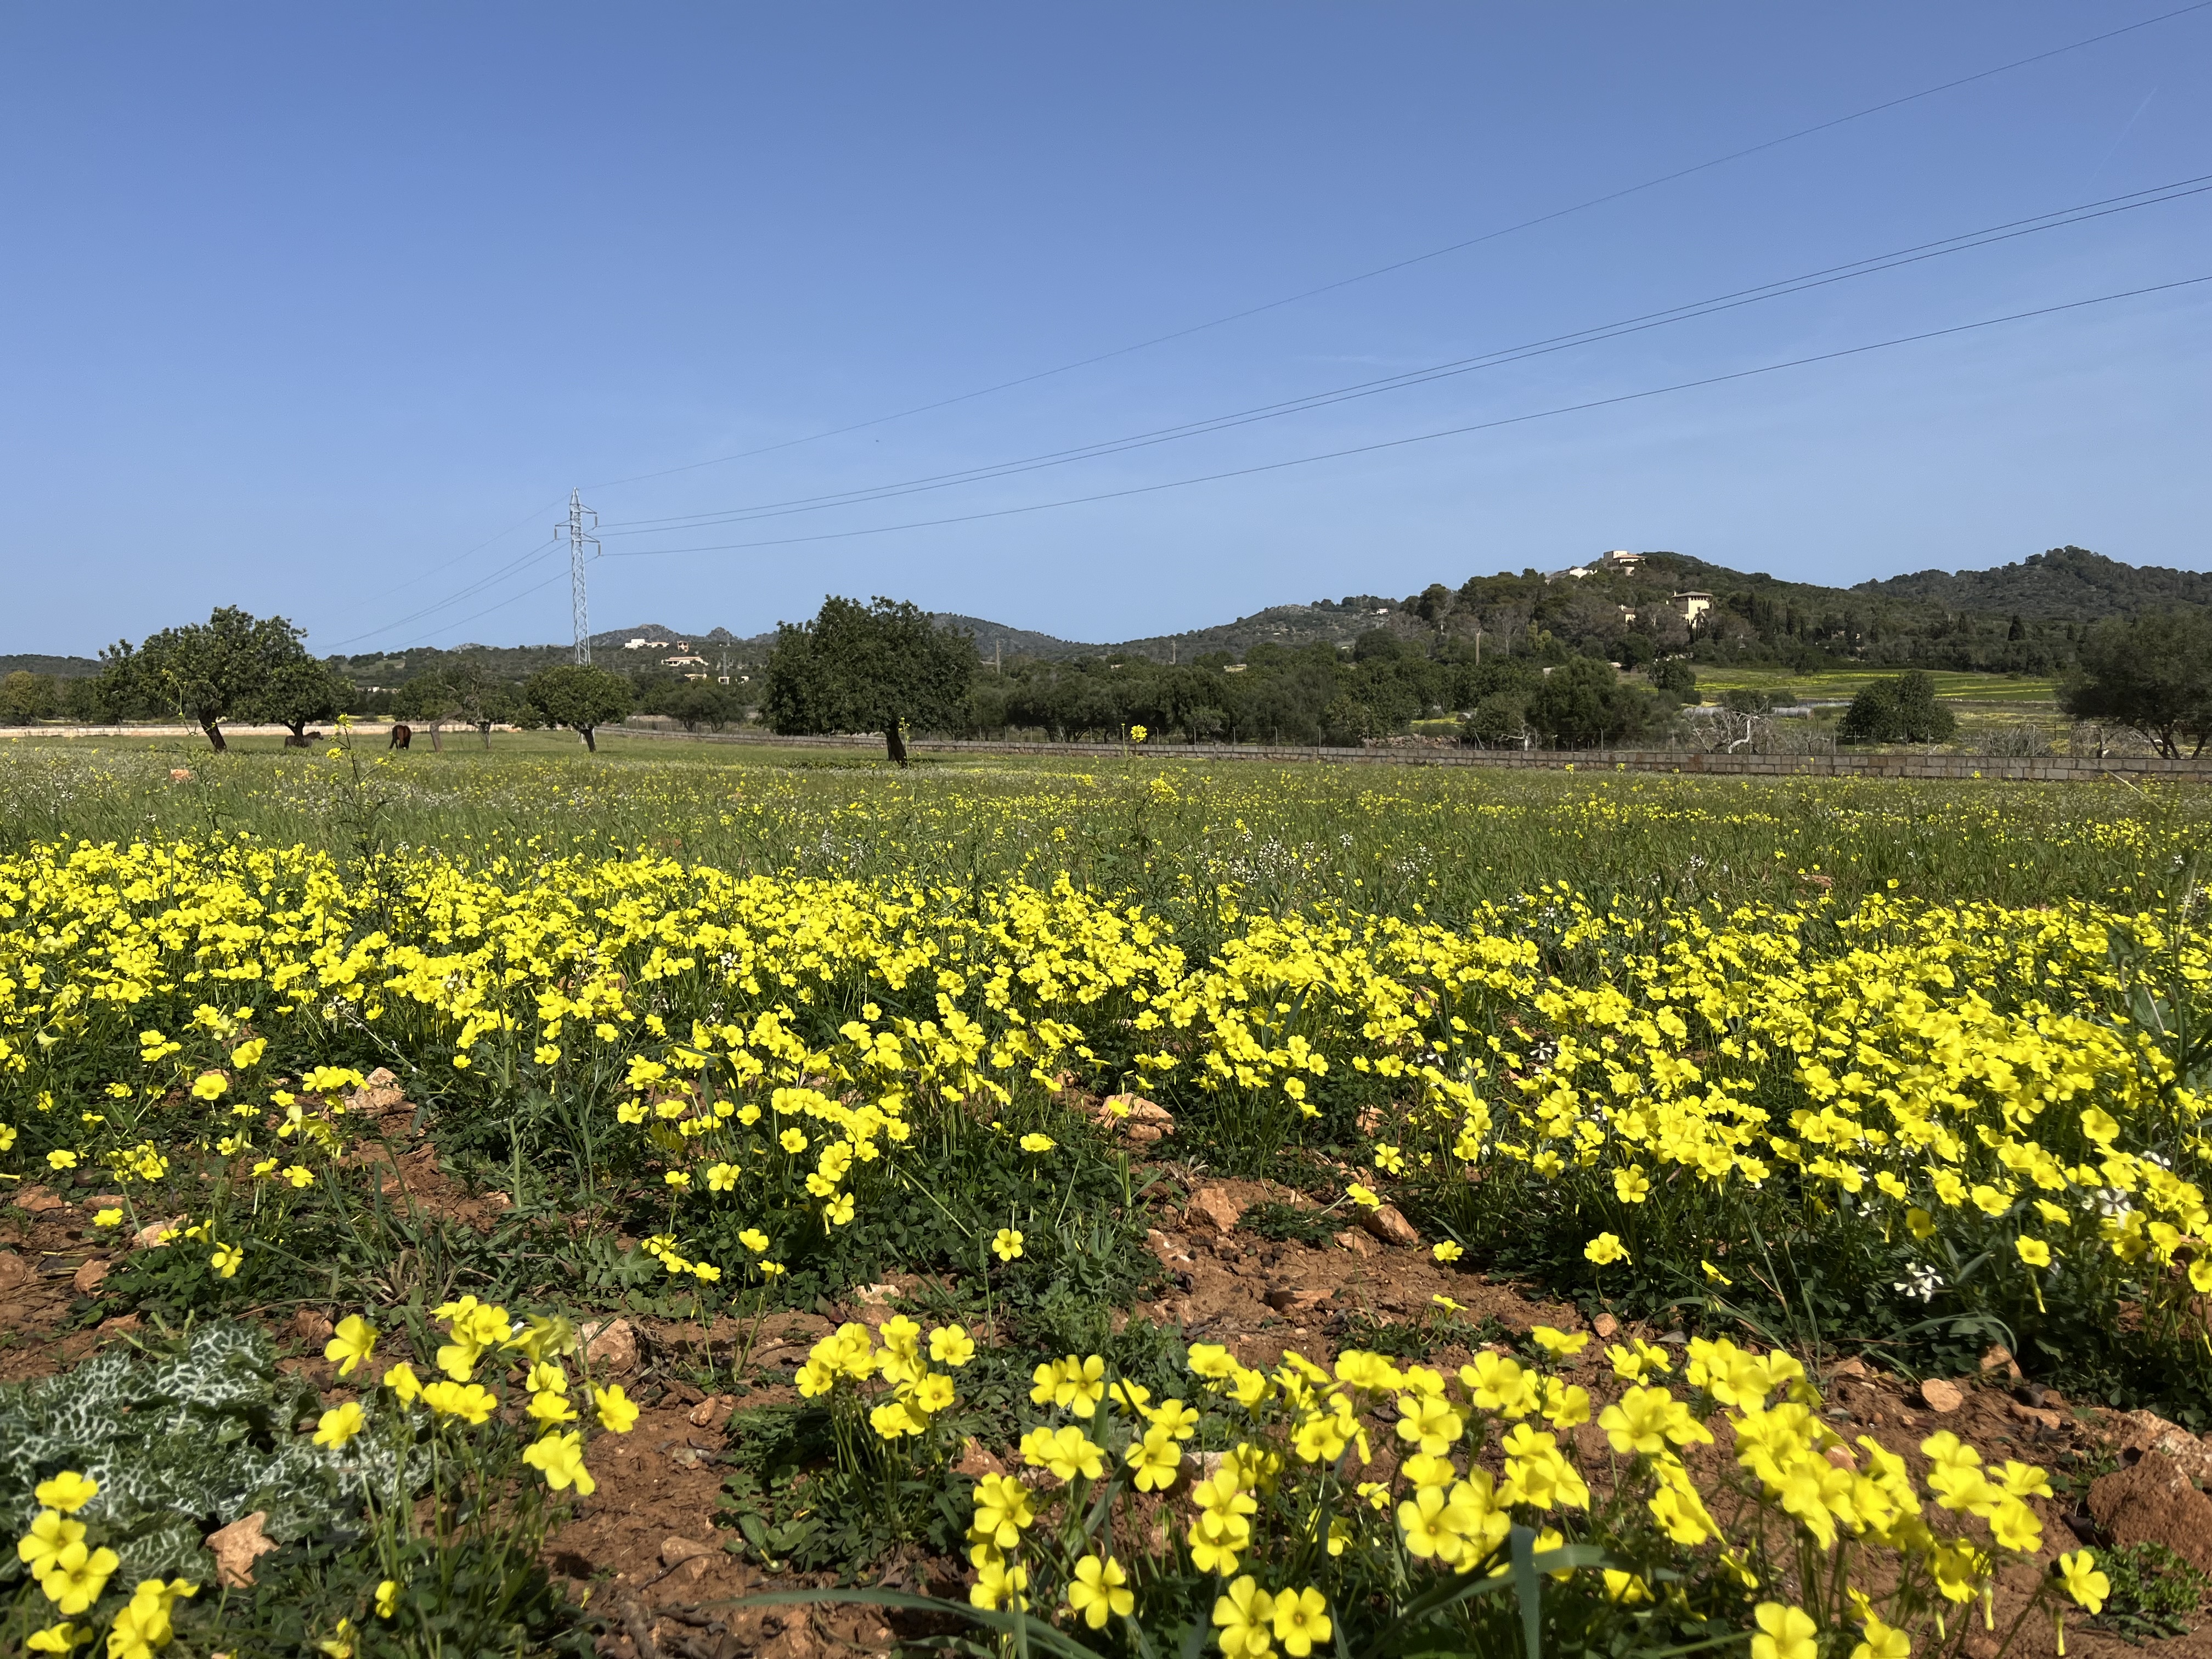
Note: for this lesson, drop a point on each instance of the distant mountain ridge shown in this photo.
(2066, 584)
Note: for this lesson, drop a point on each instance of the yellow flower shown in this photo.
(470, 1402)
(76, 1577)
(618, 1412)
(226, 1260)
(2033, 1251)
(999, 1584)
(209, 1085)
(1784, 1633)
(1882, 1641)
(1604, 1249)
(1065, 1453)
(387, 1597)
(1560, 1343)
(108, 1218)
(1446, 1251)
(1007, 1245)
(560, 1459)
(68, 1492)
(402, 1380)
(338, 1644)
(351, 1345)
(1242, 1619)
(1097, 1591)
(1155, 1458)
(1301, 1618)
(57, 1639)
(950, 1345)
(2087, 1586)
(340, 1424)
(1365, 1197)
(1631, 1185)
(48, 1536)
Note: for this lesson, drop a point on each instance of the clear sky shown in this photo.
(323, 310)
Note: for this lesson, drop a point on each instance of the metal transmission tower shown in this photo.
(578, 537)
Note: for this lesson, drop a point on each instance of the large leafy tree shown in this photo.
(2152, 673)
(883, 666)
(300, 690)
(1902, 710)
(581, 696)
(208, 672)
(1582, 704)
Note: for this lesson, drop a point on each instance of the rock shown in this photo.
(1286, 1298)
(875, 1303)
(713, 1411)
(237, 1547)
(1854, 1366)
(1140, 1122)
(610, 1344)
(1606, 1325)
(2040, 1416)
(975, 1463)
(1998, 1357)
(1388, 1224)
(1216, 1208)
(1355, 1242)
(310, 1329)
(15, 1270)
(1939, 1396)
(1170, 1252)
(2146, 1432)
(2154, 1502)
(155, 1234)
(686, 1559)
(85, 1279)
(38, 1200)
(382, 1078)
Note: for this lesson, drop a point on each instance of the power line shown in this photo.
(1964, 241)
(542, 550)
(1426, 437)
(1418, 259)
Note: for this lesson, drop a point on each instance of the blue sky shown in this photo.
(324, 311)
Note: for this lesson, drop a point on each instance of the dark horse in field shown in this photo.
(401, 736)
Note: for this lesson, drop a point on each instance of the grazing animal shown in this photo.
(303, 740)
(401, 736)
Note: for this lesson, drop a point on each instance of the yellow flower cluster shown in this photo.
(1474, 1456)
(73, 1576)
(893, 1356)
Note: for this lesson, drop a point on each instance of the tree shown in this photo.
(580, 696)
(209, 671)
(880, 667)
(2151, 673)
(1901, 710)
(1582, 703)
(300, 690)
(26, 696)
(1675, 677)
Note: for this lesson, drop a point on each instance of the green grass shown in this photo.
(1432, 842)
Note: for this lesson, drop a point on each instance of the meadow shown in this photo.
(1758, 1077)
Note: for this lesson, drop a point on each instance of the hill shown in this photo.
(2066, 584)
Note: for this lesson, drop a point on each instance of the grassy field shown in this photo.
(730, 1041)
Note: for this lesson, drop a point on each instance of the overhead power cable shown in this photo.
(1963, 242)
(1426, 437)
(481, 585)
(1331, 286)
